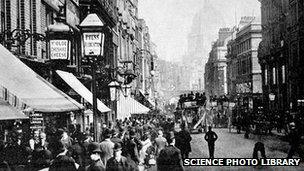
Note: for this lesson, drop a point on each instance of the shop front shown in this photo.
(86, 94)
(10, 119)
(128, 107)
(45, 105)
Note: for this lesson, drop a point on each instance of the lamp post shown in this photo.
(114, 90)
(59, 42)
(59, 35)
(114, 87)
(126, 89)
(92, 44)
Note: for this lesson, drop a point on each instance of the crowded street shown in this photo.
(151, 85)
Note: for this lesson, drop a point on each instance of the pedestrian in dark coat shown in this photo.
(119, 162)
(185, 139)
(131, 148)
(16, 153)
(211, 137)
(95, 155)
(78, 152)
(41, 158)
(259, 147)
(294, 140)
(170, 158)
(62, 162)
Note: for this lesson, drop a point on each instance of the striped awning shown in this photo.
(8, 112)
(75, 84)
(126, 106)
(30, 88)
(152, 103)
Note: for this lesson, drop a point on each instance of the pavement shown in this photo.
(233, 145)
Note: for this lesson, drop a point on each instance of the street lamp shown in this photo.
(126, 89)
(114, 90)
(271, 97)
(92, 44)
(59, 35)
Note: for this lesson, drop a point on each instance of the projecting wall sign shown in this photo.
(93, 44)
(59, 49)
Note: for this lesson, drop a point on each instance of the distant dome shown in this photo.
(207, 19)
(204, 31)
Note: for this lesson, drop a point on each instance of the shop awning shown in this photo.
(152, 103)
(126, 106)
(75, 84)
(7, 112)
(30, 88)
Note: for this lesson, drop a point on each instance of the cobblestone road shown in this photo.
(233, 145)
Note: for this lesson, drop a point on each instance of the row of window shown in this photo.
(244, 66)
(275, 76)
(244, 46)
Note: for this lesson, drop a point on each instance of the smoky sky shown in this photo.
(170, 21)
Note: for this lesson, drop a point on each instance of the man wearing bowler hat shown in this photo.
(95, 155)
(170, 158)
(118, 162)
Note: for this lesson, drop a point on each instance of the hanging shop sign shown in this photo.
(93, 43)
(59, 49)
(36, 121)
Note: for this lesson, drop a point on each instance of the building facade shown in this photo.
(280, 54)
(274, 55)
(216, 67)
(244, 71)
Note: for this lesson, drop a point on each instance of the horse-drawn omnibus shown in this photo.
(189, 110)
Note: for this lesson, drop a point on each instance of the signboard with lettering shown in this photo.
(59, 49)
(36, 121)
(190, 104)
(93, 44)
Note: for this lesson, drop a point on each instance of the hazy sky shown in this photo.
(170, 20)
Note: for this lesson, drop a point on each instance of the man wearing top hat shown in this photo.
(170, 158)
(95, 155)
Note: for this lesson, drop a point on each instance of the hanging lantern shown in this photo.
(114, 90)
